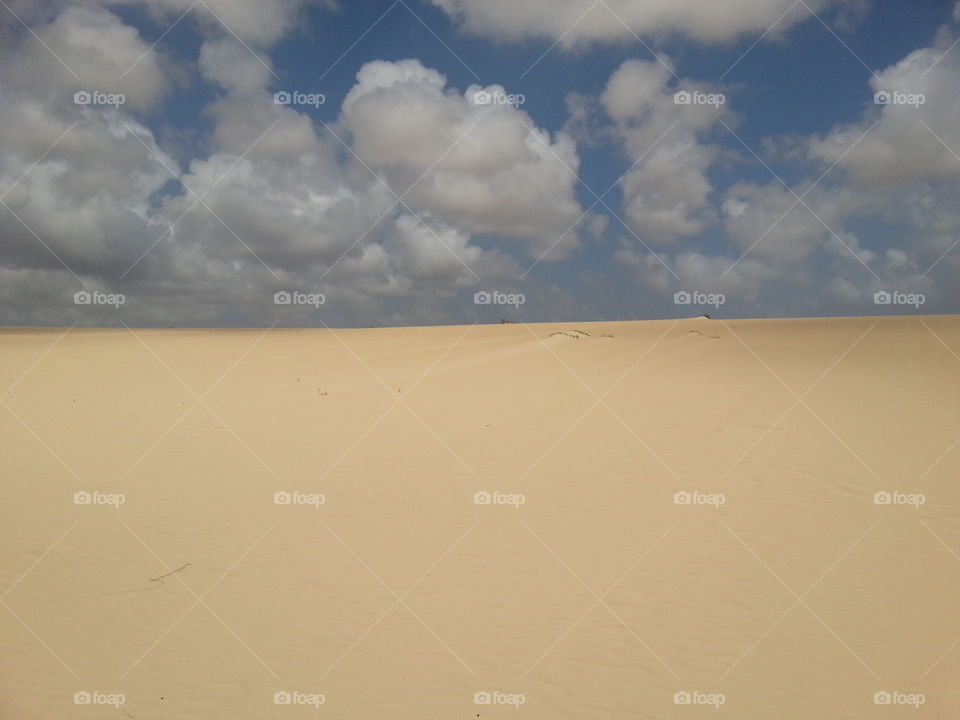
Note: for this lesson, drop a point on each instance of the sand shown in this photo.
(484, 521)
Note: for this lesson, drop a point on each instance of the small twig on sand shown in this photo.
(161, 577)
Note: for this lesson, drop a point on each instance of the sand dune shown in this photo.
(597, 520)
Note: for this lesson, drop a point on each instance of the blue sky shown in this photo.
(95, 200)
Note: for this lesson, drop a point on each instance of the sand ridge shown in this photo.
(726, 518)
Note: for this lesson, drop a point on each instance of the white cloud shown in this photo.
(884, 218)
(87, 201)
(666, 192)
(231, 65)
(636, 89)
(89, 49)
(666, 196)
(256, 22)
(903, 177)
(300, 204)
(759, 219)
(485, 168)
(570, 22)
(291, 203)
(246, 110)
(909, 141)
(694, 270)
(439, 258)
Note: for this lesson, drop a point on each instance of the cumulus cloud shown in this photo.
(89, 49)
(280, 201)
(86, 202)
(883, 218)
(911, 137)
(571, 22)
(895, 180)
(695, 270)
(665, 193)
(245, 111)
(94, 197)
(767, 221)
(904, 171)
(257, 23)
(483, 166)
(276, 203)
